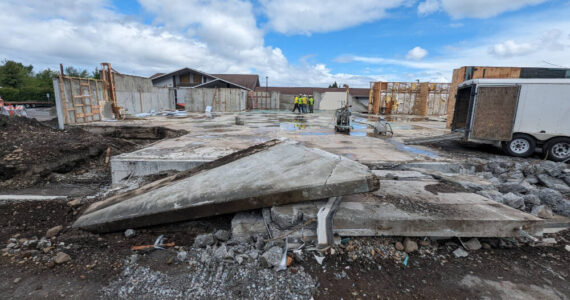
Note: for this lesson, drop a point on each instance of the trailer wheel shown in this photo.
(558, 149)
(521, 145)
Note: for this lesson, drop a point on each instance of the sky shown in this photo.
(291, 42)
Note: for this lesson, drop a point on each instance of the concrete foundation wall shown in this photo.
(137, 95)
(220, 99)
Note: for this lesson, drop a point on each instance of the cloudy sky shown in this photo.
(293, 42)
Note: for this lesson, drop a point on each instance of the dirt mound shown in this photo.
(30, 149)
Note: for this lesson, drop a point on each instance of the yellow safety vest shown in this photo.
(296, 100)
(304, 100)
(311, 101)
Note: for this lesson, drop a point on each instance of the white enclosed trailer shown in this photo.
(520, 115)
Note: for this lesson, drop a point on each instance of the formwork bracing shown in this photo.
(412, 98)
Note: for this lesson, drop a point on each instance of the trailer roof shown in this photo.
(516, 81)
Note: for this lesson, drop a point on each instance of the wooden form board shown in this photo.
(494, 112)
(408, 98)
(262, 100)
(83, 97)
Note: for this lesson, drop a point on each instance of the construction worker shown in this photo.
(304, 105)
(296, 102)
(311, 102)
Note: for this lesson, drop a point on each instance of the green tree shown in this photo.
(14, 74)
(73, 72)
(334, 85)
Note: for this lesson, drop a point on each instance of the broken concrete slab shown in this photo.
(401, 175)
(178, 154)
(406, 208)
(283, 173)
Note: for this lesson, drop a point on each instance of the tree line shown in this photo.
(20, 83)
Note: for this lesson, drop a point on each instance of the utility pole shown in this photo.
(266, 91)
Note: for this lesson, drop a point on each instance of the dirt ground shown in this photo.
(40, 160)
(96, 260)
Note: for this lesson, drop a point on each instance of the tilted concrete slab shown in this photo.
(284, 173)
(405, 208)
(178, 154)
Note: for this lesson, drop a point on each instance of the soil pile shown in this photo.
(30, 150)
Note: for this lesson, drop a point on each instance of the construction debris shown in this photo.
(325, 175)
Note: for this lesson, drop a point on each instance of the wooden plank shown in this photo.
(495, 112)
(62, 95)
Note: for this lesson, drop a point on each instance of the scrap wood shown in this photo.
(146, 247)
(185, 174)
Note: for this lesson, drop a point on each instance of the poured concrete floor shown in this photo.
(214, 136)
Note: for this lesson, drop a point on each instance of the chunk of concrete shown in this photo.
(262, 179)
(405, 208)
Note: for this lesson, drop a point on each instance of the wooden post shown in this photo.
(62, 94)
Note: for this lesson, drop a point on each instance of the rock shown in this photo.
(459, 252)
(550, 197)
(542, 211)
(549, 241)
(425, 243)
(248, 224)
(61, 257)
(510, 187)
(134, 259)
(182, 255)
(74, 203)
(410, 246)
(485, 246)
(513, 201)
(531, 200)
(566, 179)
(129, 233)
(222, 253)
(473, 244)
(259, 242)
(17, 280)
(222, 235)
(239, 259)
(43, 243)
(532, 179)
(53, 231)
(254, 254)
(399, 246)
(272, 257)
(553, 169)
(563, 208)
(567, 247)
(204, 240)
(285, 220)
(12, 246)
(553, 183)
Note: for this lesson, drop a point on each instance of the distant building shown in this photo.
(191, 78)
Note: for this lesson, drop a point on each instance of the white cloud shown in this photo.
(473, 9)
(314, 16)
(417, 53)
(511, 48)
(428, 7)
(215, 36)
(550, 40)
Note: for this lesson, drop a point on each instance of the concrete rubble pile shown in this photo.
(266, 177)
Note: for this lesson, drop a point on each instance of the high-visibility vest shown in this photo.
(311, 101)
(304, 100)
(296, 100)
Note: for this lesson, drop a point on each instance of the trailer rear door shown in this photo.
(494, 112)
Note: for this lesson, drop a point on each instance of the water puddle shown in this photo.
(411, 149)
